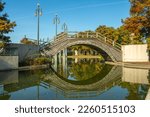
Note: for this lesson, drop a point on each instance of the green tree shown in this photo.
(123, 36)
(6, 25)
(108, 32)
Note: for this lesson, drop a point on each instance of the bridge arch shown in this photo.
(113, 75)
(112, 52)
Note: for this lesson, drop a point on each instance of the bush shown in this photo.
(27, 41)
(41, 60)
(2, 45)
(148, 42)
(36, 61)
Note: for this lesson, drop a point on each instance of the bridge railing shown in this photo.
(84, 35)
(81, 35)
(60, 36)
(93, 35)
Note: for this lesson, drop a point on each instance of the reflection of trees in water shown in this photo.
(84, 71)
(135, 91)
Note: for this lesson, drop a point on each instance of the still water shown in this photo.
(77, 79)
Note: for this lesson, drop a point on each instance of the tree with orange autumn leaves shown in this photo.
(26, 41)
(135, 29)
(139, 22)
(6, 25)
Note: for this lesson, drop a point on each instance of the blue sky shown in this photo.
(79, 15)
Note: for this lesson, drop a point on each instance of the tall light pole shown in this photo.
(38, 13)
(65, 27)
(56, 21)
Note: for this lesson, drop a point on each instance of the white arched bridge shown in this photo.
(65, 40)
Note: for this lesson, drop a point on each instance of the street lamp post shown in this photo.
(56, 21)
(38, 13)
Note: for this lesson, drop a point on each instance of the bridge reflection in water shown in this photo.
(107, 82)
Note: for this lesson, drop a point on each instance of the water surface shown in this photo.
(76, 80)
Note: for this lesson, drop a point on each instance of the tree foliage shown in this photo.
(123, 36)
(41, 61)
(27, 41)
(108, 32)
(139, 22)
(135, 24)
(6, 25)
(119, 35)
(140, 7)
(135, 28)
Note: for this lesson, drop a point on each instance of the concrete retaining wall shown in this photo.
(135, 53)
(8, 62)
(23, 51)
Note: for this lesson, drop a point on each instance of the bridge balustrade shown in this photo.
(61, 36)
(85, 35)
(93, 35)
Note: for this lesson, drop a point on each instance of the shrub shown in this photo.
(27, 41)
(2, 45)
(148, 43)
(41, 60)
(35, 61)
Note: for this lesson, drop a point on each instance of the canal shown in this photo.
(77, 79)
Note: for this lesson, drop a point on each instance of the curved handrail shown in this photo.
(82, 35)
(94, 35)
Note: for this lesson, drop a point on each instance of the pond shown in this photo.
(76, 79)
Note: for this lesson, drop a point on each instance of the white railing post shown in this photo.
(82, 35)
(96, 34)
(87, 34)
(105, 39)
(113, 43)
(77, 35)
